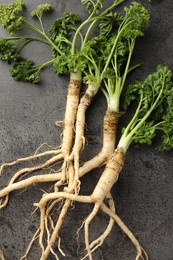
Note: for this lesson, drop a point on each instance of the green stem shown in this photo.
(41, 24)
(27, 38)
(45, 64)
(92, 61)
(131, 48)
(34, 28)
(78, 31)
(134, 67)
(92, 19)
(133, 121)
(110, 56)
(121, 29)
(105, 92)
(73, 48)
(22, 44)
(118, 2)
(87, 33)
(52, 44)
(115, 4)
(39, 67)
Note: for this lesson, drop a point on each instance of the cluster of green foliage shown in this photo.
(155, 109)
(65, 38)
(10, 15)
(42, 8)
(8, 52)
(10, 47)
(61, 34)
(119, 51)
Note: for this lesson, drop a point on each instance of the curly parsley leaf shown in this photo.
(63, 26)
(61, 31)
(8, 51)
(110, 22)
(26, 71)
(42, 8)
(136, 19)
(92, 7)
(10, 15)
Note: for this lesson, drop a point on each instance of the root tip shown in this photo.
(36, 205)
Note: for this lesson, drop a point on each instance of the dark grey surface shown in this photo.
(144, 192)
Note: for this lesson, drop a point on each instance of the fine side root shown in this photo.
(49, 229)
(48, 236)
(49, 221)
(58, 177)
(29, 158)
(86, 228)
(57, 227)
(52, 237)
(141, 254)
(55, 233)
(25, 171)
(99, 241)
(42, 205)
(44, 165)
(55, 148)
(30, 244)
(63, 195)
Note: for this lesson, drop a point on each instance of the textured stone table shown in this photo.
(144, 192)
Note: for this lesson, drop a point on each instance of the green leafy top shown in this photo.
(64, 24)
(102, 57)
(109, 23)
(93, 57)
(8, 51)
(63, 27)
(119, 49)
(92, 7)
(10, 15)
(89, 60)
(70, 44)
(61, 33)
(136, 19)
(127, 28)
(154, 111)
(67, 35)
(42, 8)
(26, 71)
(10, 47)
